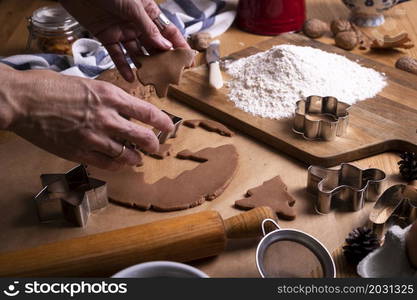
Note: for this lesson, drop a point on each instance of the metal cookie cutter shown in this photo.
(292, 253)
(71, 196)
(164, 136)
(321, 118)
(348, 184)
(397, 205)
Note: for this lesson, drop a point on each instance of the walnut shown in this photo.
(315, 28)
(340, 25)
(347, 40)
(407, 64)
(200, 41)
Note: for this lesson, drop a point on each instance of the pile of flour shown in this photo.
(269, 84)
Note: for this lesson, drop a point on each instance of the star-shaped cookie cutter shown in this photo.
(397, 205)
(321, 118)
(346, 185)
(71, 196)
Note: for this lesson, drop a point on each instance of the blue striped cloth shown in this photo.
(192, 16)
(90, 58)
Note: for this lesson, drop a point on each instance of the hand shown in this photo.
(128, 23)
(79, 119)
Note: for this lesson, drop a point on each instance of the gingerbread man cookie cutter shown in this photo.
(71, 196)
(345, 185)
(321, 118)
(397, 205)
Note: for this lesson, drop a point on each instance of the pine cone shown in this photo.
(359, 243)
(408, 165)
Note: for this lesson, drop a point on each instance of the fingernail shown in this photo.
(171, 127)
(155, 149)
(129, 76)
(166, 43)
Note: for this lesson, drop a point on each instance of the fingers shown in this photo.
(119, 59)
(142, 111)
(170, 32)
(150, 36)
(143, 137)
(106, 153)
(117, 151)
(133, 49)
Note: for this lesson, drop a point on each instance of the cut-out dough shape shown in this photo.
(191, 188)
(135, 88)
(272, 193)
(164, 68)
(209, 125)
(164, 151)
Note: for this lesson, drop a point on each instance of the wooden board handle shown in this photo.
(248, 224)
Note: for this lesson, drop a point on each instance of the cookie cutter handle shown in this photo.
(264, 225)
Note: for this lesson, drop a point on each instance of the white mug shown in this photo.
(160, 269)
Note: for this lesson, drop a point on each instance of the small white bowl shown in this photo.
(370, 13)
(160, 269)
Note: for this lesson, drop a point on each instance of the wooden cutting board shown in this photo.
(387, 122)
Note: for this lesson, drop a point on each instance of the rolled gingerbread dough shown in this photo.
(191, 188)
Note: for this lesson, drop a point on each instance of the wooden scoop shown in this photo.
(181, 239)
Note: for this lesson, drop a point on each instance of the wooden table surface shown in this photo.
(257, 163)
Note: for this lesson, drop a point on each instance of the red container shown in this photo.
(271, 17)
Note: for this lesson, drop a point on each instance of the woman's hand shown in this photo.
(128, 23)
(78, 119)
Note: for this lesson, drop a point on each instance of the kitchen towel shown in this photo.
(192, 16)
(390, 260)
(89, 59)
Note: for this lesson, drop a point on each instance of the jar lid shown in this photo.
(53, 18)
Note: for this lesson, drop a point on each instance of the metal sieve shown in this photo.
(292, 253)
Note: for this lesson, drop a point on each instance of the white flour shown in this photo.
(269, 84)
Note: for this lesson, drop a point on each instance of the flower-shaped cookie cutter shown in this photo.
(397, 205)
(321, 118)
(346, 185)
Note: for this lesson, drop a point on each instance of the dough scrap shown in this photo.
(272, 193)
(164, 68)
(134, 88)
(209, 125)
(191, 188)
(164, 151)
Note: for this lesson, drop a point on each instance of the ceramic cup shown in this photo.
(370, 13)
(160, 269)
(271, 17)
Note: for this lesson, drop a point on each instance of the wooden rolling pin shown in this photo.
(181, 239)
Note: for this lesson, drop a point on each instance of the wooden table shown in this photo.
(257, 161)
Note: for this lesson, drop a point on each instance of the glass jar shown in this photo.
(53, 30)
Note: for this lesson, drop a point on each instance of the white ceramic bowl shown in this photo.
(370, 13)
(160, 269)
